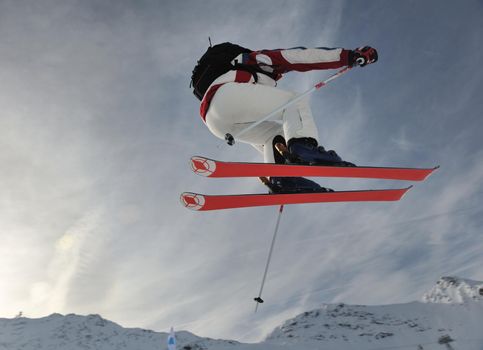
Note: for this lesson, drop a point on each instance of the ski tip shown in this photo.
(404, 191)
(202, 166)
(433, 169)
(193, 201)
(430, 172)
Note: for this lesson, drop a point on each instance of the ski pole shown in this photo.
(259, 299)
(230, 139)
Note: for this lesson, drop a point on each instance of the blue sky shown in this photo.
(97, 125)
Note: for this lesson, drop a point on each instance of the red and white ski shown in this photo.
(201, 202)
(213, 168)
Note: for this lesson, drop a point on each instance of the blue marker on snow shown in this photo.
(171, 340)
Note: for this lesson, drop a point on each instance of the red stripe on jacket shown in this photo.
(241, 77)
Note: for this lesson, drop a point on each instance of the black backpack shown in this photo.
(215, 62)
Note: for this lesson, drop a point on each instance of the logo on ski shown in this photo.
(203, 166)
(192, 201)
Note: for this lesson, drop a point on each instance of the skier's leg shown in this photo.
(268, 154)
(271, 154)
(253, 102)
(302, 138)
(237, 105)
(298, 122)
(265, 151)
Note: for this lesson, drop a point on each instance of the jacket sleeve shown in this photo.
(298, 59)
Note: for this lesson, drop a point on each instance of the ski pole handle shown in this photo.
(230, 139)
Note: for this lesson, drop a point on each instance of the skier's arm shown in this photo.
(299, 59)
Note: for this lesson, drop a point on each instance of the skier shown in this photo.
(237, 86)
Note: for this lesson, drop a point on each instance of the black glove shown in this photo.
(362, 56)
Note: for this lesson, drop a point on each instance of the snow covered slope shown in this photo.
(452, 309)
(74, 332)
(451, 316)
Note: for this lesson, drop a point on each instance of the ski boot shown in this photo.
(306, 151)
(288, 184)
(279, 185)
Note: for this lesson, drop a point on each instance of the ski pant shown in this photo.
(236, 106)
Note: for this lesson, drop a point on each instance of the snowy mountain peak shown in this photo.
(333, 326)
(345, 326)
(453, 290)
(91, 332)
(61, 332)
